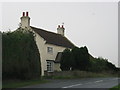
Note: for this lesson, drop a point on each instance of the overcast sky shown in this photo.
(91, 24)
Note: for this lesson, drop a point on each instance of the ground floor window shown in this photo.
(50, 66)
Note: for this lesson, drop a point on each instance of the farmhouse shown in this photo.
(50, 44)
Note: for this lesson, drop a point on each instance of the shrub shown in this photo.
(76, 59)
(21, 58)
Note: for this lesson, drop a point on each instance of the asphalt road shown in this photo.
(79, 83)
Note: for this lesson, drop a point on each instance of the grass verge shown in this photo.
(19, 83)
(78, 74)
(116, 87)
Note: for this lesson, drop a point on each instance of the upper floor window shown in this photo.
(49, 49)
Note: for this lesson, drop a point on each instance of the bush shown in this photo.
(65, 60)
(101, 65)
(80, 59)
(76, 59)
(21, 58)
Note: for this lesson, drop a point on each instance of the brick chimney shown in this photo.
(25, 20)
(60, 29)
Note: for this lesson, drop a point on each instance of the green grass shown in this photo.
(79, 74)
(18, 83)
(116, 87)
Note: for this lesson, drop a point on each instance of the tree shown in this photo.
(76, 59)
(76, 56)
(65, 60)
(101, 65)
(81, 57)
(21, 58)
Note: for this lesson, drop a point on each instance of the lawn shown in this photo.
(19, 83)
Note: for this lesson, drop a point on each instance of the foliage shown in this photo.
(101, 65)
(80, 59)
(66, 60)
(21, 59)
(115, 88)
(76, 59)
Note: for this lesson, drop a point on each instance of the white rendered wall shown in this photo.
(52, 56)
(25, 22)
(60, 31)
(41, 47)
(44, 55)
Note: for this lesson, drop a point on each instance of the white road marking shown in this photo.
(98, 81)
(72, 86)
(82, 84)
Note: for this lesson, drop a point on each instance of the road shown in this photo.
(79, 83)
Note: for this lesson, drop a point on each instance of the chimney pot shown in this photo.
(26, 13)
(23, 13)
(62, 26)
(25, 20)
(58, 26)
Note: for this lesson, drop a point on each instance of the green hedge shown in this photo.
(20, 56)
(80, 59)
(75, 59)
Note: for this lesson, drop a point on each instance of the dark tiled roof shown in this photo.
(58, 57)
(53, 38)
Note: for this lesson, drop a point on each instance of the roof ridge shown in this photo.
(46, 30)
(53, 38)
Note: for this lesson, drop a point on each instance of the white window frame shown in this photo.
(50, 50)
(50, 66)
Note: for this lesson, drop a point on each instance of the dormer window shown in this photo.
(49, 49)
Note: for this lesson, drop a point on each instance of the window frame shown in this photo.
(50, 50)
(50, 66)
